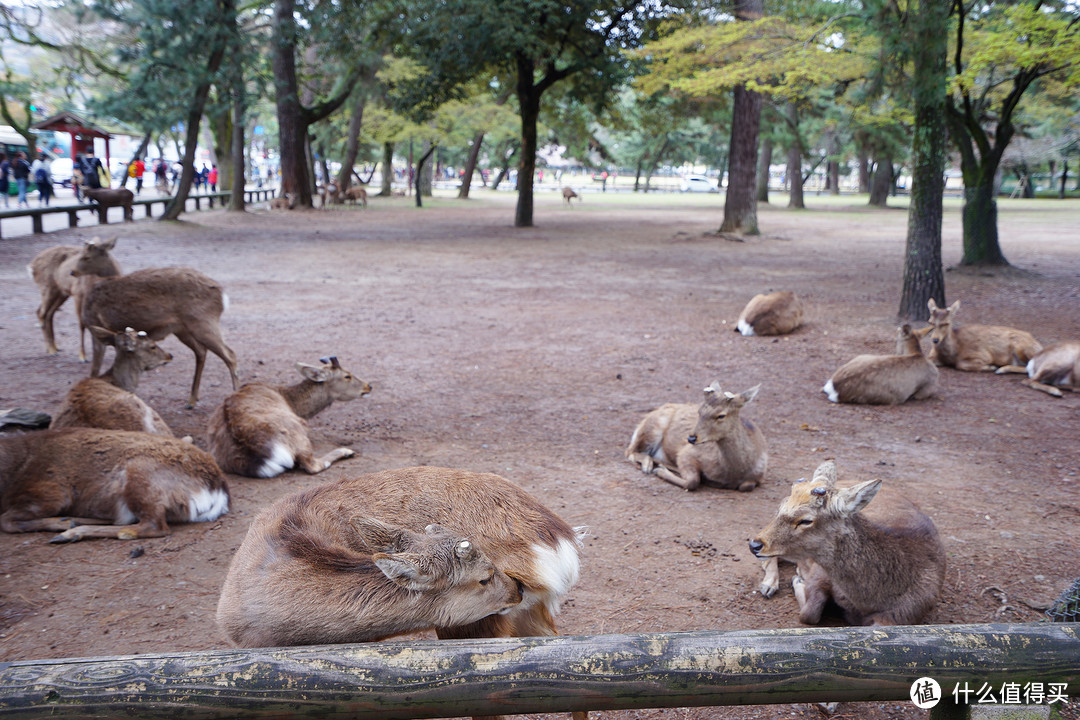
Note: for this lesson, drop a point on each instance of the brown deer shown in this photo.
(51, 270)
(687, 445)
(976, 348)
(355, 193)
(569, 194)
(161, 302)
(369, 557)
(285, 202)
(261, 430)
(91, 483)
(885, 379)
(884, 565)
(1053, 369)
(109, 402)
(106, 198)
(776, 313)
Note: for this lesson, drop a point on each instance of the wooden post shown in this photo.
(35, 222)
(73, 218)
(540, 675)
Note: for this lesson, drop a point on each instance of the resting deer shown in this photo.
(161, 302)
(882, 566)
(885, 379)
(51, 270)
(776, 313)
(91, 483)
(369, 557)
(569, 194)
(1052, 369)
(976, 348)
(109, 402)
(261, 430)
(687, 444)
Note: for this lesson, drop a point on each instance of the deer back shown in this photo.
(776, 313)
(159, 301)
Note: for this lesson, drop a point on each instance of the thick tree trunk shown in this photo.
(834, 177)
(740, 205)
(864, 172)
(352, 143)
(764, 161)
(529, 106)
(794, 160)
(387, 170)
(981, 246)
(923, 275)
(292, 127)
(237, 175)
(882, 181)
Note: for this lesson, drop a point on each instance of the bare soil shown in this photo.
(533, 353)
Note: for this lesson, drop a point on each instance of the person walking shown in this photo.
(91, 167)
(21, 172)
(42, 173)
(5, 177)
(211, 178)
(137, 169)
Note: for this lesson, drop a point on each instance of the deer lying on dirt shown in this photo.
(284, 202)
(776, 313)
(106, 198)
(51, 270)
(261, 430)
(91, 483)
(356, 193)
(109, 402)
(885, 379)
(687, 445)
(1052, 369)
(365, 558)
(569, 194)
(882, 566)
(976, 348)
(161, 302)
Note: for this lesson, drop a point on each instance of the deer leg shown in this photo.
(645, 460)
(812, 591)
(200, 360)
(217, 346)
(771, 582)
(11, 522)
(150, 529)
(312, 465)
(97, 350)
(687, 478)
(1043, 387)
(46, 312)
(1020, 369)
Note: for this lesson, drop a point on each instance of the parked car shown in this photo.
(698, 183)
(62, 171)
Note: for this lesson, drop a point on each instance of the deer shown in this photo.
(364, 558)
(285, 202)
(885, 379)
(261, 431)
(882, 565)
(775, 313)
(161, 302)
(109, 402)
(355, 193)
(51, 270)
(569, 194)
(1053, 369)
(106, 198)
(976, 348)
(711, 443)
(92, 483)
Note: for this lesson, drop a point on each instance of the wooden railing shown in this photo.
(72, 210)
(433, 678)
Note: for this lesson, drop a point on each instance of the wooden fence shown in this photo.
(434, 678)
(72, 210)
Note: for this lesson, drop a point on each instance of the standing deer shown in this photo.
(569, 194)
(882, 566)
(52, 269)
(109, 402)
(776, 313)
(885, 379)
(1052, 369)
(365, 558)
(687, 445)
(356, 193)
(91, 483)
(161, 302)
(976, 348)
(261, 430)
(106, 198)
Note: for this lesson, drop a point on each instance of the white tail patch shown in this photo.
(831, 392)
(556, 569)
(280, 460)
(1030, 368)
(206, 505)
(225, 300)
(124, 516)
(148, 420)
(30, 271)
(744, 328)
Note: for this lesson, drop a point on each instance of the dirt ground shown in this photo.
(533, 353)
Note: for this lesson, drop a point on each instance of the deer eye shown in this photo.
(721, 416)
(487, 581)
(804, 522)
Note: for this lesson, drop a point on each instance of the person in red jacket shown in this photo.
(211, 178)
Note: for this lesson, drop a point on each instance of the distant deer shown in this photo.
(161, 302)
(687, 445)
(106, 198)
(355, 193)
(285, 202)
(882, 566)
(976, 348)
(776, 313)
(109, 402)
(1052, 369)
(885, 379)
(569, 194)
(91, 483)
(51, 270)
(369, 557)
(261, 430)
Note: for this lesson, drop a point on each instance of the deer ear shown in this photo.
(404, 569)
(103, 334)
(108, 244)
(931, 305)
(954, 307)
(748, 395)
(853, 499)
(313, 373)
(713, 389)
(826, 472)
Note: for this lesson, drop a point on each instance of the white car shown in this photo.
(698, 183)
(61, 171)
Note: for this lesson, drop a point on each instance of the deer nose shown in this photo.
(692, 439)
(756, 546)
(934, 340)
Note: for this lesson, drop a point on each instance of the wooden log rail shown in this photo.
(36, 214)
(432, 678)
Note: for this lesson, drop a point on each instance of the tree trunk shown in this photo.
(923, 275)
(764, 161)
(292, 129)
(794, 160)
(237, 176)
(980, 225)
(864, 172)
(352, 143)
(529, 104)
(387, 170)
(420, 172)
(1064, 177)
(740, 205)
(834, 177)
(470, 166)
(882, 181)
